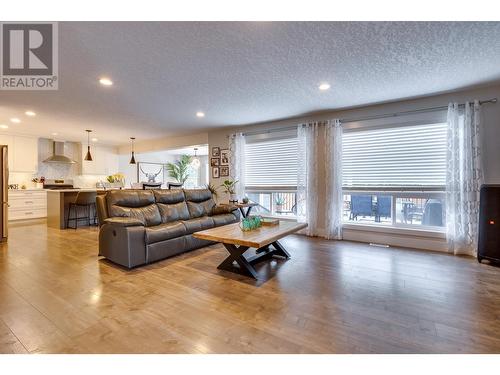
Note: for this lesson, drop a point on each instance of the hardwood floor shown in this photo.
(331, 297)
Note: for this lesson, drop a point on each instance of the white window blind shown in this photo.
(405, 156)
(271, 163)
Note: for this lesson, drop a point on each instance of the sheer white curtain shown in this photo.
(463, 178)
(319, 155)
(333, 176)
(237, 162)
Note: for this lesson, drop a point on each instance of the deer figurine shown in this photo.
(151, 176)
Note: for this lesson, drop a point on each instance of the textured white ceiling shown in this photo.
(239, 73)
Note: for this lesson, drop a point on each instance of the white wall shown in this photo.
(165, 156)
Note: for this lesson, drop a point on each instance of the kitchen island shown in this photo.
(58, 201)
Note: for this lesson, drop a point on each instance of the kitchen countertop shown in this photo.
(21, 190)
(71, 190)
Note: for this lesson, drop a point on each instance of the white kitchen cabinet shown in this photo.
(27, 204)
(24, 154)
(8, 140)
(104, 161)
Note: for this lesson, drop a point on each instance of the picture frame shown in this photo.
(224, 156)
(215, 152)
(214, 162)
(215, 172)
(224, 171)
(146, 170)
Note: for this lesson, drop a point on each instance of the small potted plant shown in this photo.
(229, 187)
(279, 202)
(38, 182)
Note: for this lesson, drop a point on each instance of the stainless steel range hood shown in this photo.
(58, 154)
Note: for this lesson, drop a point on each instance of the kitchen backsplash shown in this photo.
(55, 170)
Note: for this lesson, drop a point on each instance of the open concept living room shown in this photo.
(247, 187)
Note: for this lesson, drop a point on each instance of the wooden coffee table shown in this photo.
(237, 242)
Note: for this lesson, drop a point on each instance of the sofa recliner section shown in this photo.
(138, 227)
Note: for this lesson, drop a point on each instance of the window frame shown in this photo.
(436, 117)
(268, 189)
(395, 194)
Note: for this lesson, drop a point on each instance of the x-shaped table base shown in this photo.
(237, 262)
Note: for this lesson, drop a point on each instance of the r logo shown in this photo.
(28, 56)
(27, 49)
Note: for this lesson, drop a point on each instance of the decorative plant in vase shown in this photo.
(279, 202)
(116, 180)
(229, 187)
(179, 170)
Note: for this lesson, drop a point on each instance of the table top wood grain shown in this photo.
(257, 238)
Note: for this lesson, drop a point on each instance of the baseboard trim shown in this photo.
(420, 241)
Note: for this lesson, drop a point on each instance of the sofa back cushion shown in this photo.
(172, 205)
(139, 204)
(199, 202)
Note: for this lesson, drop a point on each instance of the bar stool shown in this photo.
(174, 185)
(83, 199)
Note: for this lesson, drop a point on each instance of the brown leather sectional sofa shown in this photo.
(144, 226)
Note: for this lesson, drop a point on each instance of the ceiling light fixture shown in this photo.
(132, 159)
(15, 120)
(324, 86)
(88, 157)
(30, 113)
(195, 161)
(4, 126)
(94, 139)
(200, 114)
(54, 133)
(105, 81)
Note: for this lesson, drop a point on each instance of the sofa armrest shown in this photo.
(221, 209)
(122, 240)
(124, 221)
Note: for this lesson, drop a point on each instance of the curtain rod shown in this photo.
(385, 115)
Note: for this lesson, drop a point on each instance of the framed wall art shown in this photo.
(224, 157)
(224, 171)
(150, 172)
(215, 172)
(215, 152)
(214, 162)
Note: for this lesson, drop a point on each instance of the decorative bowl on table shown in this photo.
(250, 223)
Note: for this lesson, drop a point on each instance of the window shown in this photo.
(395, 175)
(271, 173)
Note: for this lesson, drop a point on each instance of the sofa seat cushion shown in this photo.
(224, 219)
(164, 232)
(200, 223)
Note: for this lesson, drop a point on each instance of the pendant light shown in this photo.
(88, 157)
(195, 162)
(132, 159)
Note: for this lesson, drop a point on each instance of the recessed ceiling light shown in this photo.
(324, 86)
(200, 114)
(54, 133)
(30, 113)
(4, 126)
(105, 81)
(15, 120)
(94, 139)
